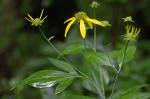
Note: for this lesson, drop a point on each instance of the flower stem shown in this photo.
(50, 42)
(94, 14)
(120, 67)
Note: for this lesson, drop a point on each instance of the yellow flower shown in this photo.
(82, 18)
(131, 32)
(36, 21)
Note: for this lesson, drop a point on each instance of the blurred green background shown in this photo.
(24, 51)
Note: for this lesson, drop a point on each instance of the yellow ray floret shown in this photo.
(82, 29)
(83, 19)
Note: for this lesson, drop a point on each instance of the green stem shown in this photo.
(94, 14)
(120, 67)
(50, 42)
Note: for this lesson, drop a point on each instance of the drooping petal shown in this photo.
(90, 24)
(82, 29)
(95, 21)
(69, 19)
(68, 26)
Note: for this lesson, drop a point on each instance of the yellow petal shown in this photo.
(132, 30)
(137, 32)
(69, 19)
(68, 26)
(90, 24)
(30, 16)
(28, 19)
(82, 29)
(95, 21)
(41, 13)
(44, 18)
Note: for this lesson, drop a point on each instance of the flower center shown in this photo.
(80, 15)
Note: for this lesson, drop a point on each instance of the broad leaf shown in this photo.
(46, 78)
(63, 65)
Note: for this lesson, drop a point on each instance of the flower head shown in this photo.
(36, 21)
(131, 32)
(94, 4)
(82, 18)
(128, 19)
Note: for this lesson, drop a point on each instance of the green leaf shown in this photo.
(63, 65)
(46, 78)
(98, 80)
(129, 94)
(141, 96)
(63, 85)
(73, 49)
(98, 58)
(129, 54)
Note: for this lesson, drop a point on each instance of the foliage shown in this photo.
(76, 70)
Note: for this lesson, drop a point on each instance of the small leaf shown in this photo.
(73, 49)
(63, 65)
(63, 85)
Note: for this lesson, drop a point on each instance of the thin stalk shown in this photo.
(94, 14)
(120, 67)
(50, 42)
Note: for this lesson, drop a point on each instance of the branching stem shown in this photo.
(120, 67)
